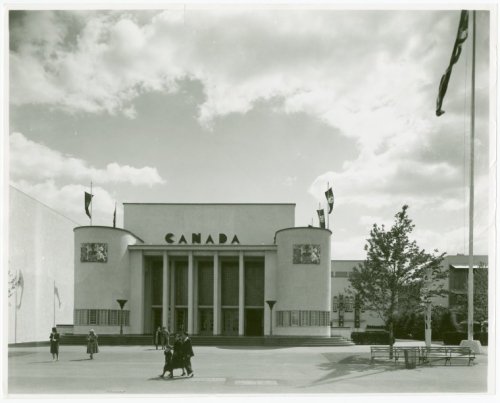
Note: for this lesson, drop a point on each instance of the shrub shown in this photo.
(454, 338)
(378, 337)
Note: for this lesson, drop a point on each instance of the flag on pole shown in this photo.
(19, 284)
(329, 199)
(455, 55)
(114, 218)
(56, 293)
(321, 215)
(88, 200)
(20, 280)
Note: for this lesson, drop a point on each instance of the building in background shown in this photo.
(40, 269)
(347, 315)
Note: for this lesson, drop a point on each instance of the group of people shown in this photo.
(180, 357)
(161, 337)
(177, 356)
(55, 337)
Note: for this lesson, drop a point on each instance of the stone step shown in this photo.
(285, 341)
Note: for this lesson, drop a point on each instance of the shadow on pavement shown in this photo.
(354, 366)
(83, 359)
(167, 379)
(41, 362)
(19, 353)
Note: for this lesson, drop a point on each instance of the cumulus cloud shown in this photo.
(364, 72)
(68, 199)
(37, 162)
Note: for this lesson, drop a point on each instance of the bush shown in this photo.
(378, 337)
(454, 338)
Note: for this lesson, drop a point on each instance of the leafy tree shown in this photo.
(480, 296)
(391, 280)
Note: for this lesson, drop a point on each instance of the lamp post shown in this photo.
(271, 304)
(122, 303)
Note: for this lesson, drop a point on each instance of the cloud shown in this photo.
(69, 201)
(36, 162)
(367, 81)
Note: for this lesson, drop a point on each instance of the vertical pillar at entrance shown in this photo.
(165, 299)
(241, 294)
(190, 294)
(216, 303)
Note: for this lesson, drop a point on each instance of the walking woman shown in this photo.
(92, 346)
(178, 357)
(54, 344)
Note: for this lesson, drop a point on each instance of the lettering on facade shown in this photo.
(197, 238)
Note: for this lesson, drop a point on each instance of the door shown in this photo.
(156, 319)
(230, 322)
(254, 322)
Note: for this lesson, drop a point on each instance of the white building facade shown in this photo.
(208, 269)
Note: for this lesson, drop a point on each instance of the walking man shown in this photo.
(187, 349)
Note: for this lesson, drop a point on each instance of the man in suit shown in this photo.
(187, 350)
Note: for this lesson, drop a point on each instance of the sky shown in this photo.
(237, 105)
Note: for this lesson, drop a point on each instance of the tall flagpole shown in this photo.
(15, 308)
(91, 204)
(328, 215)
(470, 288)
(54, 305)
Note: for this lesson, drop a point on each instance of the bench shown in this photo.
(447, 353)
(397, 352)
(400, 352)
(381, 352)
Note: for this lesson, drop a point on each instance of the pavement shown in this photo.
(117, 370)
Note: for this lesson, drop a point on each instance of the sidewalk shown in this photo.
(265, 370)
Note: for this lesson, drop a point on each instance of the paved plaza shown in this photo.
(221, 370)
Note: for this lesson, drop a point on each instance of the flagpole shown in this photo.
(91, 204)
(470, 288)
(328, 215)
(15, 309)
(54, 305)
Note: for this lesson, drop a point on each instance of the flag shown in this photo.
(455, 55)
(114, 217)
(329, 199)
(56, 293)
(20, 280)
(321, 215)
(20, 284)
(88, 200)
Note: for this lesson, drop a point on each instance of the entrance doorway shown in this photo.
(205, 321)
(254, 322)
(155, 319)
(230, 322)
(181, 319)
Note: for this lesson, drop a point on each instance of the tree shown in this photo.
(392, 280)
(480, 296)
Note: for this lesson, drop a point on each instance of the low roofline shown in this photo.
(112, 228)
(312, 228)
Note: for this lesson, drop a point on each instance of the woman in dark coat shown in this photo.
(92, 346)
(178, 357)
(54, 344)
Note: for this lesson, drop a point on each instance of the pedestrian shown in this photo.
(54, 344)
(157, 337)
(178, 357)
(168, 362)
(92, 346)
(187, 349)
(164, 337)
